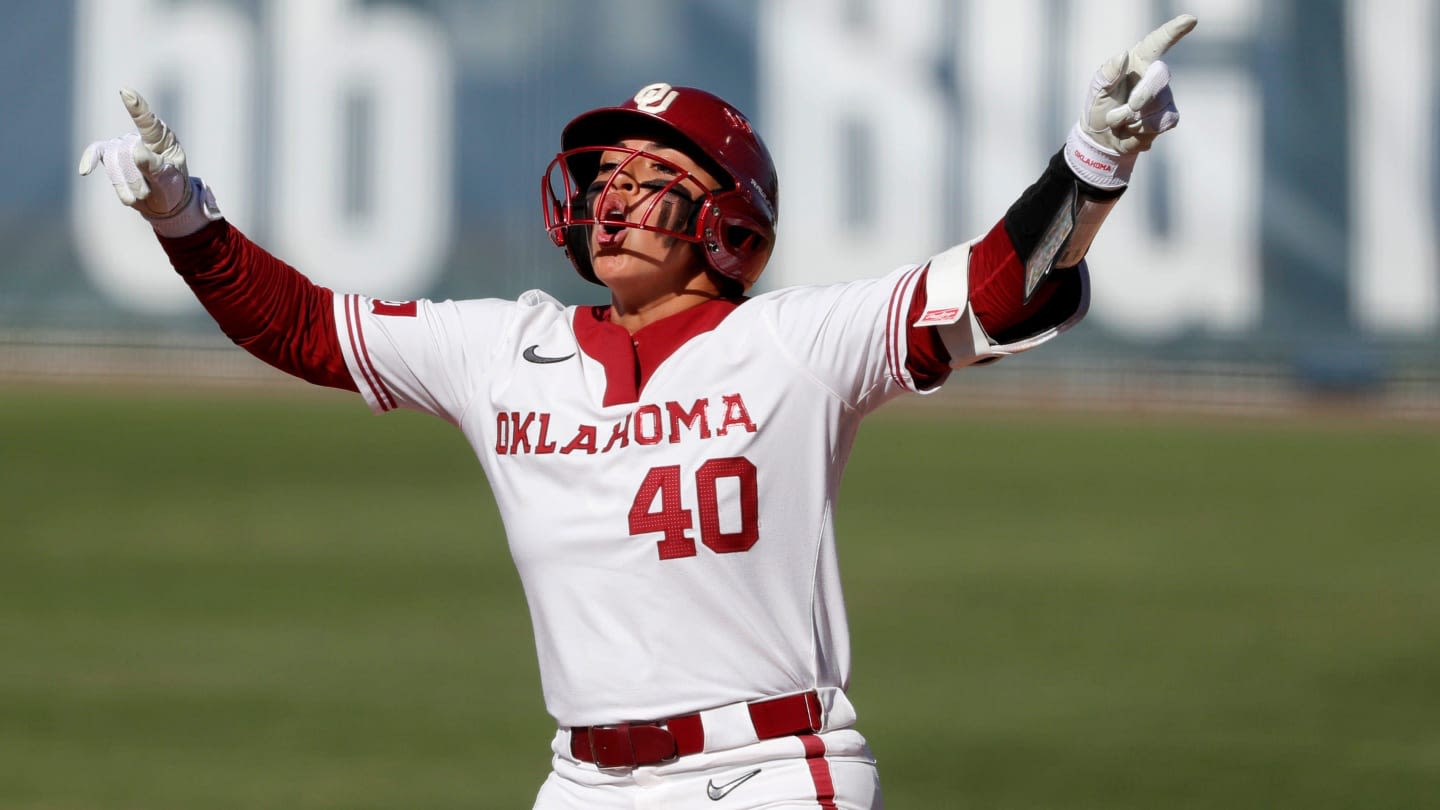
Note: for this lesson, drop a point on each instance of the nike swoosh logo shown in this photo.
(718, 792)
(541, 359)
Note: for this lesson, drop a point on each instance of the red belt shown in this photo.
(630, 745)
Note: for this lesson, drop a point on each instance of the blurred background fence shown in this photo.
(1280, 247)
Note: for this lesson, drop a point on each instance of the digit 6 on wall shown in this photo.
(358, 113)
(674, 521)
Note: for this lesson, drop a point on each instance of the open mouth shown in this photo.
(612, 225)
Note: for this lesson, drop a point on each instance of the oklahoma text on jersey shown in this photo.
(646, 425)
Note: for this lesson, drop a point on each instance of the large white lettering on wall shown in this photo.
(855, 62)
(204, 64)
(364, 96)
(1394, 258)
(1204, 273)
(357, 142)
(857, 124)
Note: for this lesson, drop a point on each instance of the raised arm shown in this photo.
(1024, 280)
(263, 305)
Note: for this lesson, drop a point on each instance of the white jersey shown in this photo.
(675, 540)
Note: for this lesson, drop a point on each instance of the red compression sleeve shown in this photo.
(997, 284)
(264, 305)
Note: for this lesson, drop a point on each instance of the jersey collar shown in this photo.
(630, 360)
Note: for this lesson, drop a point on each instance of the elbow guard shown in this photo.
(948, 310)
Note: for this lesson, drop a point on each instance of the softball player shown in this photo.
(667, 465)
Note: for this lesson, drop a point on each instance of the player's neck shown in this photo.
(634, 313)
(635, 319)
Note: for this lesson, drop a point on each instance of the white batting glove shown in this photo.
(1129, 104)
(147, 169)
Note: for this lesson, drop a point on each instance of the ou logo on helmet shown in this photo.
(656, 98)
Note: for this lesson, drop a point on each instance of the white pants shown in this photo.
(832, 770)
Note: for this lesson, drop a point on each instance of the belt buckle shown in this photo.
(623, 747)
(609, 742)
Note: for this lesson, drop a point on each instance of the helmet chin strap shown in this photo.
(577, 247)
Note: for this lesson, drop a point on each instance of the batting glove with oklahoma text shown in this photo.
(1128, 105)
(147, 169)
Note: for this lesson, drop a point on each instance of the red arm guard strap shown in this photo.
(265, 306)
(997, 284)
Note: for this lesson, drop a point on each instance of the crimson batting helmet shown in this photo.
(734, 225)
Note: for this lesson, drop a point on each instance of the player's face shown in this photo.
(643, 189)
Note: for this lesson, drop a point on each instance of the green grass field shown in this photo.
(227, 600)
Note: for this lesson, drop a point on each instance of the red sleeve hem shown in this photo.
(928, 361)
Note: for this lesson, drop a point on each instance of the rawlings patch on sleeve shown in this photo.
(394, 309)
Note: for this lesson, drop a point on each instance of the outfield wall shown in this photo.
(1283, 238)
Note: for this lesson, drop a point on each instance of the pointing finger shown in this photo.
(138, 107)
(153, 131)
(1162, 39)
